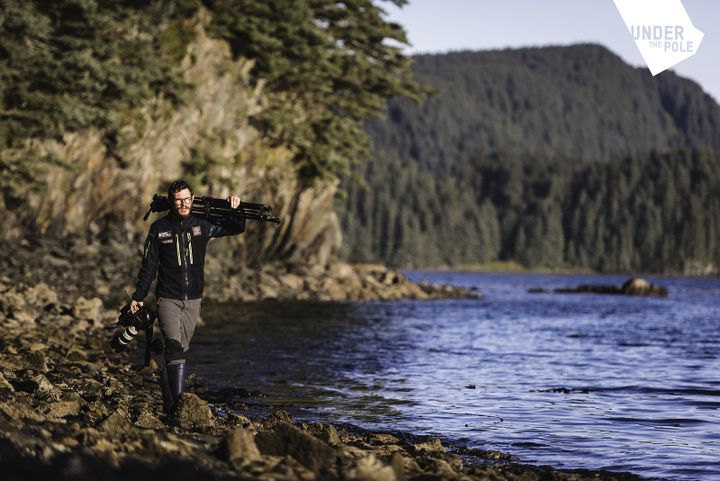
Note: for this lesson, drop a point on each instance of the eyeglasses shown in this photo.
(186, 201)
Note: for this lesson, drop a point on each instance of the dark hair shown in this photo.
(177, 186)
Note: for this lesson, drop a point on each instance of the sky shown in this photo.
(440, 26)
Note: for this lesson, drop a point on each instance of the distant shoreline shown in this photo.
(516, 268)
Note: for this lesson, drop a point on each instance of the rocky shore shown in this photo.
(78, 267)
(72, 409)
(634, 286)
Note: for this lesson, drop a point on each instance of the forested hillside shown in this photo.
(561, 157)
(107, 100)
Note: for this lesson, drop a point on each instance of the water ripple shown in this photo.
(626, 384)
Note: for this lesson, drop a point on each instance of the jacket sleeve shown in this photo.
(222, 229)
(148, 268)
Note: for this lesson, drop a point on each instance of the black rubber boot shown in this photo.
(176, 375)
(168, 399)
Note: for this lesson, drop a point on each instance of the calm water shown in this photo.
(573, 381)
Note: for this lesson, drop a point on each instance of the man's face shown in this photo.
(182, 202)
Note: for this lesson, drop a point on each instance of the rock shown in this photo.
(331, 290)
(42, 296)
(192, 412)
(340, 270)
(19, 411)
(288, 440)
(45, 388)
(589, 289)
(631, 287)
(148, 421)
(4, 384)
(235, 419)
(292, 282)
(384, 438)
(38, 361)
(280, 416)
(76, 354)
(61, 409)
(443, 469)
(370, 468)
(239, 446)
(434, 446)
(87, 309)
(640, 287)
(391, 277)
(117, 424)
(537, 290)
(325, 432)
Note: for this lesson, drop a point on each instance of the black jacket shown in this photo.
(175, 249)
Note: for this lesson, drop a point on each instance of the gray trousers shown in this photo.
(177, 321)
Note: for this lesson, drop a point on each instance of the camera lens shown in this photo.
(121, 339)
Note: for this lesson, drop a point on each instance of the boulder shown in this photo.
(191, 412)
(146, 420)
(288, 440)
(239, 447)
(640, 287)
(117, 424)
(325, 432)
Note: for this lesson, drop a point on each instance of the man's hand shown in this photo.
(234, 201)
(135, 306)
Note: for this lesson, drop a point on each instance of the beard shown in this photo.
(183, 212)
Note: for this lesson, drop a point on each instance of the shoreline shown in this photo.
(72, 408)
(568, 273)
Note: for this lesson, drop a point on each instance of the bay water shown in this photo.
(567, 380)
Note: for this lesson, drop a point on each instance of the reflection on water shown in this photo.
(575, 381)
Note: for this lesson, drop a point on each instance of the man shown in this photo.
(175, 249)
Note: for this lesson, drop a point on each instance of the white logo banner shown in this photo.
(662, 30)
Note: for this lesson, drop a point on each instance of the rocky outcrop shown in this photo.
(72, 266)
(632, 287)
(95, 188)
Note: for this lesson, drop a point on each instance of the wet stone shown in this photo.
(434, 446)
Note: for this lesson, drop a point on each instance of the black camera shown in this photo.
(133, 323)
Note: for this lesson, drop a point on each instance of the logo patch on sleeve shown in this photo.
(196, 230)
(165, 235)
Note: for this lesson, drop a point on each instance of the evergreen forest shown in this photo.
(557, 157)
